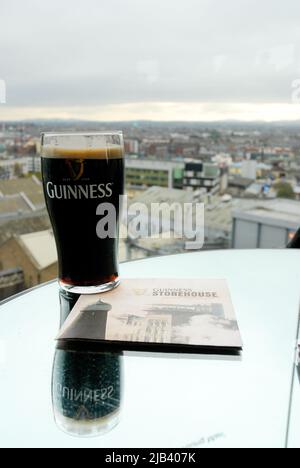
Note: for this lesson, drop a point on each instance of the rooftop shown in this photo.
(239, 181)
(19, 196)
(163, 195)
(278, 212)
(41, 247)
(37, 199)
(31, 222)
(153, 164)
(13, 204)
(14, 186)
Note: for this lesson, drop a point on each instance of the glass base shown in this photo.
(102, 288)
(92, 428)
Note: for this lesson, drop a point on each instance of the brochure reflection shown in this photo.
(86, 385)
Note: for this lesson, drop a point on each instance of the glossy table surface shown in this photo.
(170, 400)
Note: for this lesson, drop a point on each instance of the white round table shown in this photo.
(171, 400)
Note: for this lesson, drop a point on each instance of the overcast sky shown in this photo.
(174, 58)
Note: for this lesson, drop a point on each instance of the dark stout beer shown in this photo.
(79, 184)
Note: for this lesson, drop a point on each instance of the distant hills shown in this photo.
(153, 124)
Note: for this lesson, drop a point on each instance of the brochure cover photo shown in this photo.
(195, 313)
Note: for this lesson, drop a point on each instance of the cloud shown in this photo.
(2, 92)
(160, 111)
(67, 53)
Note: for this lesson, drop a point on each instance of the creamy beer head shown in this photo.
(83, 179)
(83, 146)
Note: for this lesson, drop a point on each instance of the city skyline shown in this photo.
(236, 171)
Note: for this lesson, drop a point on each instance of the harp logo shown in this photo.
(75, 168)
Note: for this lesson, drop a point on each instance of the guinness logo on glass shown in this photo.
(75, 168)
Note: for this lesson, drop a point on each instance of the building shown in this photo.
(20, 196)
(34, 163)
(193, 175)
(15, 167)
(148, 173)
(266, 225)
(238, 185)
(33, 254)
(132, 146)
(261, 189)
(157, 229)
(198, 175)
(249, 169)
(22, 208)
(217, 228)
(11, 282)
(23, 224)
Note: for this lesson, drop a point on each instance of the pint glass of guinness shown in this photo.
(83, 178)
